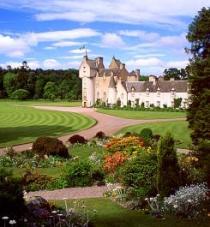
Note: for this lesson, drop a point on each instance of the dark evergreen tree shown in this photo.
(199, 109)
(168, 173)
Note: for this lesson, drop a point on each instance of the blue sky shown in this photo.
(145, 34)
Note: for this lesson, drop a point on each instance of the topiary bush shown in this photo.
(100, 135)
(20, 94)
(77, 139)
(78, 173)
(168, 173)
(50, 146)
(146, 133)
(11, 195)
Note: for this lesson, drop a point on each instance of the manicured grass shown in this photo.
(112, 215)
(43, 102)
(138, 114)
(21, 124)
(179, 130)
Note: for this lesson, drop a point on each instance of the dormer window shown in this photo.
(172, 91)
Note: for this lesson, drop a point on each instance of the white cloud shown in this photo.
(142, 35)
(67, 44)
(19, 45)
(51, 64)
(112, 40)
(133, 11)
(177, 64)
(80, 51)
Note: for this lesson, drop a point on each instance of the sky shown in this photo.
(146, 34)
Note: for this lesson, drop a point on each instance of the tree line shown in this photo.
(26, 83)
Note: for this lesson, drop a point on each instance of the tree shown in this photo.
(199, 108)
(168, 173)
(177, 74)
(177, 102)
(50, 90)
(9, 83)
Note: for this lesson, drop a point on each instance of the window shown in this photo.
(158, 92)
(158, 103)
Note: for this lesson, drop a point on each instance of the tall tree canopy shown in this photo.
(177, 74)
(199, 109)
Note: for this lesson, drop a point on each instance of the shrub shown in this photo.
(98, 176)
(11, 195)
(35, 181)
(126, 144)
(140, 174)
(79, 173)
(20, 94)
(111, 162)
(100, 135)
(77, 139)
(188, 202)
(146, 133)
(50, 146)
(168, 174)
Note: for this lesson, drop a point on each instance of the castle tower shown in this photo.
(87, 72)
(112, 91)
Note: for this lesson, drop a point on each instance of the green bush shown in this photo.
(50, 146)
(140, 174)
(35, 181)
(146, 133)
(11, 195)
(77, 139)
(20, 94)
(168, 174)
(79, 173)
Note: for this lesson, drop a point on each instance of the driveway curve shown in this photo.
(106, 123)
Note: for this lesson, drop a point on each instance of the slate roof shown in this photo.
(91, 63)
(109, 72)
(164, 86)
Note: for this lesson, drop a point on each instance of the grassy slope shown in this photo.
(21, 124)
(179, 130)
(112, 215)
(134, 114)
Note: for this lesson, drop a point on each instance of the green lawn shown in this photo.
(137, 114)
(22, 123)
(179, 130)
(43, 102)
(112, 215)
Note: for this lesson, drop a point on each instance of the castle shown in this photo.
(116, 85)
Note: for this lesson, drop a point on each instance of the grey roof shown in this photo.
(164, 86)
(112, 83)
(91, 63)
(109, 72)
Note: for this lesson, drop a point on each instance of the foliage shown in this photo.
(168, 173)
(199, 109)
(177, 74)
(50, 146)
(139, 173)
(35, 181)
(100, 135)
(77, 139)
(111, 162)
(177, 102)
(79, 173)
(188, 202)
(125, 144)
(9, 83)
(20, 94)
(146, 133)
(50, 90)
(11, 195)
(30, 160)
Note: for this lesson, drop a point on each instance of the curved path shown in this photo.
(106, 123)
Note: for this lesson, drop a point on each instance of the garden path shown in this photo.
(106, 123)
(71, 193)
